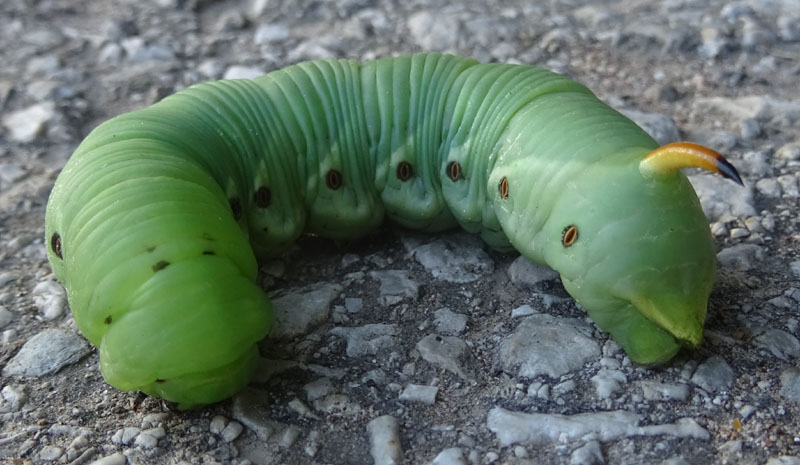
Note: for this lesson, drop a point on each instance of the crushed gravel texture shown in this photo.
(411, 348)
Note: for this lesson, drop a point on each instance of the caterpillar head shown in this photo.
(633, 247)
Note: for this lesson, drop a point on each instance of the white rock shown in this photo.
(47, 352)
(217, 424)
(269, 33)
(299, 310)
(125, 435)
(434, 31)
(714, 375)
(607, 382)
(457, 259)
(447, 322)
(451, 456)
(522, 310)
(780, 344)
(27, 124)
(396, 286)
(448, 352)
(384, 438)
(722, 199)
(660, 127)
(318, 388)
(741, 257)
(242, 72)
(653, 390)
(113, 459)
(589, 454)
(50, 298)
(50, 453)
(784, 460)
(11, 172)
(5, 316)
(541, 429)
(367, 339)
(419, 393)
(525, 274)
(14, 398)
(232, 431)
(146, 441)
(537, 346)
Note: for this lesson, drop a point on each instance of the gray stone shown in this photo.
(114, 459)
(457, 259)
(790, 384)
(448, 352)
(769, 187)
(660, 127)
(50, 453)
(50, 298)
(367, 339)
(755, 163)
(540, 429)
(784, 460)
(607, 382)
(537, 346)
(419, 393)
(14, 398)
(653, 390)
(714, 375)
(302, 309)
(396, 286)
(253, 408)
(795, 267)
(447, 322)
(47, 352)
(451, 456)
(526, 274)
(759, 107)
(384, 439)
(318, 388)
(789, 152)
(125, 436)
(740, 257)
(29, 123)
(231, 431)
(5, 317)
(722, 199)
(269, 33)
(434, 31)
(779, 343)
(789, 185)
(11, 172)
(588, 454)
(242, 72)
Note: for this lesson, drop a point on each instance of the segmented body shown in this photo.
(153, 213)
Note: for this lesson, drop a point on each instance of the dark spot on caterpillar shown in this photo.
(55, 245)
(236, 208)
(262, 197)
(569, 236)
(107, 320)
(150, 249)
(333, 179)
(209, 252)
(207, 236)
(454, 171)
(159, 380)
(503, 188)
(160, 265)
(404, 171)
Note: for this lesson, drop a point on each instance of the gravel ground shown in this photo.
(411, 348)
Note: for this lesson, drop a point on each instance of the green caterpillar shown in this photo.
(148, 225)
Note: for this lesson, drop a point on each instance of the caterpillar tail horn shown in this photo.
(678, 155)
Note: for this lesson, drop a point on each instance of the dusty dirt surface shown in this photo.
(417, 349)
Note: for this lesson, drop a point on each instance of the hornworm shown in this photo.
(148, 225)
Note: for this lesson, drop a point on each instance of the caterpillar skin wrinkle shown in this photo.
(155, 224)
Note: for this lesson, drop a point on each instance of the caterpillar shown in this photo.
(156, 223)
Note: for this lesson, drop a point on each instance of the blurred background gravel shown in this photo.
(422, 340)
